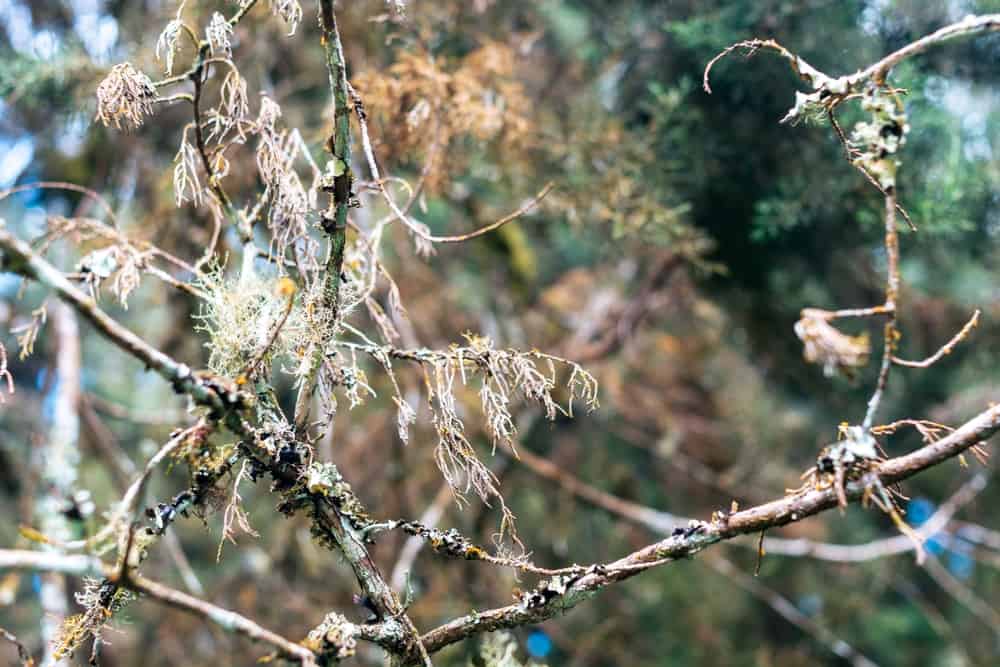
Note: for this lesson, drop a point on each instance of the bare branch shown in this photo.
(59, 185)
(665, 523)
(890, 334)
(702, 534)
(946, 348)
(224, 618)
(22, 651)
(970, 25)
(417, 229)
(980, 608)
(339, 184)
(80, 565)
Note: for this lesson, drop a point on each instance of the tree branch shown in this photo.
(339, 185)
(21, 259)
(698, 536)
(80, 565)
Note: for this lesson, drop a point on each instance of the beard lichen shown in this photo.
(100, 599)
(254, 320)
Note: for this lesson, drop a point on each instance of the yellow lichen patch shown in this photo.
(29, 533)
(285, 287)
(474, 553)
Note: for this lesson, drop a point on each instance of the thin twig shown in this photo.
(946, 348)
(60, 185)
(787, 610)
(850, 154)
(23, 654)
(251, 366)
(401, 215)
(980, 608)
(163, 416)
(890, 332)
(23, 260)
(128, 509)
(411, 548)
(81, 565)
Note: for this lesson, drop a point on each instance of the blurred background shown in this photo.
(685, 233)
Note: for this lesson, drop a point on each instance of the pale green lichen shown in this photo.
(878, 140)
(242, 319)
(324, 479)
(333, 639)
(500, 650)
(100, 599)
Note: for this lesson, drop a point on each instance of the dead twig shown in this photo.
(946, 348)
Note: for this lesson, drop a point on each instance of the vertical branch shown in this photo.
(338, 183)
(891, 297)
(60, 459)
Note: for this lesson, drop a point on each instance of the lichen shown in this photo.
(100, 599)
(324, 479)
(333, 639)
(500, 650)
(446, 542)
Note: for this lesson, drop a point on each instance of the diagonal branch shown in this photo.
(659, 521)
(230, 621)
(20, 258)
(787, 610)
(212, 393)
(687, 542)
(946, 348)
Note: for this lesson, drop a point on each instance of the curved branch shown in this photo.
(967, 26)
(946, 348)
(60, 185)
(400, 215)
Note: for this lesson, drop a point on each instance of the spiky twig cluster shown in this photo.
(277, 151)
(504, 374)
